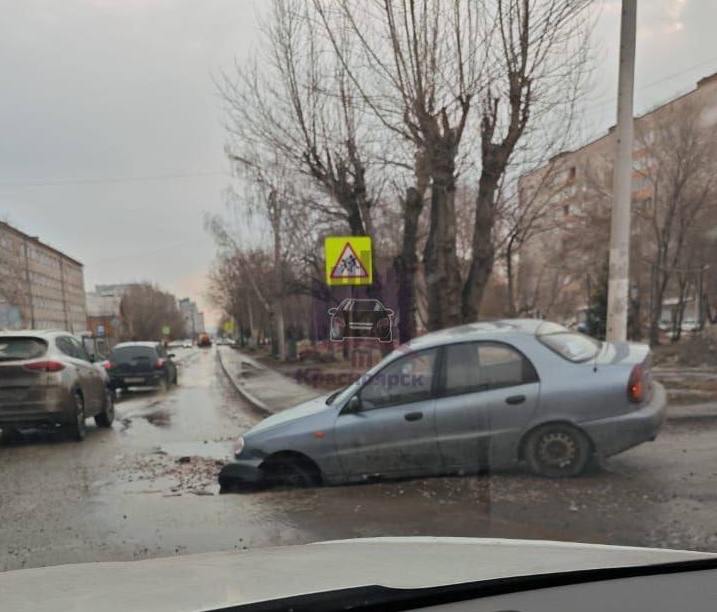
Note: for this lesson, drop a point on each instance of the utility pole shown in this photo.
(618, 285)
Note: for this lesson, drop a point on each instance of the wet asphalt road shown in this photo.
(147, 488)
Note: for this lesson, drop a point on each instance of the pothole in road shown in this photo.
(208, 449)
(159, 418)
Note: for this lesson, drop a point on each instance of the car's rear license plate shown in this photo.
(133, 379)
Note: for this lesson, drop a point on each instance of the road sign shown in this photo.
(229, 326)
(165, 330)
(348, 260)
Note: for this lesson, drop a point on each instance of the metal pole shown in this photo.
(618, 285)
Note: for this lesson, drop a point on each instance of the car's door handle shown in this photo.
(515, 399)
(413, 416)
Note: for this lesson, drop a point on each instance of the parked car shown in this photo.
(47, 379)
(361, 318)
(204, 341)
(484, 395)
(141, 364)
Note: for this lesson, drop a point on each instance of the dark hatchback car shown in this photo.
(361, 318)
(141, 364)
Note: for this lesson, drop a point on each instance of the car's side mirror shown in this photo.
(353, 405)
(389, 312)
(332, 311)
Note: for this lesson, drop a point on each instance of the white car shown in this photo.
(381, 573)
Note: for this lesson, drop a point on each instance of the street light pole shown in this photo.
(618, 285)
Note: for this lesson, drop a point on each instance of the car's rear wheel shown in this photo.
(105, 418)
(557, 450)
(77, 429)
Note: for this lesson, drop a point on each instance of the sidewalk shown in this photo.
(265, 389)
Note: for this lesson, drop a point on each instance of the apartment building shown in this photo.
(573, 195)
(193, 318)
(40, 287)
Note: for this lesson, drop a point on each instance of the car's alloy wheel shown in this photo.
(557, 451)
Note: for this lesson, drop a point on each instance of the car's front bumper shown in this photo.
(619, 433)
(244, 471)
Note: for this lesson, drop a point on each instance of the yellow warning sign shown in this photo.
(348, 260)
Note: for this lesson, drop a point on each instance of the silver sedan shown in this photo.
(470, 398)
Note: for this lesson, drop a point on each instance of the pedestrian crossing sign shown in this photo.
(348, 260)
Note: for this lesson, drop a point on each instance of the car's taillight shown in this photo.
(636, 385)
(107, 364)
(45, 366)
(159, 364)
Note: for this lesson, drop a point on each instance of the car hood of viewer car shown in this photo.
(312, 406)
(210, 581)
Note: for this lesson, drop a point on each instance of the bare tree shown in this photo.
(145, 310)
(422, 65)
(296, 101)
(537, 58)
(680, 156)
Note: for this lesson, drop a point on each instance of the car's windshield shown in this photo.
(283, 271)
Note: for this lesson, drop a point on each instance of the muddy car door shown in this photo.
(488, 392)
(389, 429)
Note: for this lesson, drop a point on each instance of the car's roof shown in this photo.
(484, 330)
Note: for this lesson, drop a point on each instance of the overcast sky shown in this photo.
(111, 140)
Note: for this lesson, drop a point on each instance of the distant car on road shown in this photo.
(141, 364)
(204, 341)
(484, 395)
(47, 379)
(361, 318)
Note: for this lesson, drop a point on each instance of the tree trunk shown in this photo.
(439, 256)
(511, 308)
(406, 266)
(483, 249)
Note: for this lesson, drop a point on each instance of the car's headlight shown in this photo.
(238, 446)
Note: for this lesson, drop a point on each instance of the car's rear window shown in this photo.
(129, 353)
(13, 349)
(572, 346)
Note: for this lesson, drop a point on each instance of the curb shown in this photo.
(255, 402)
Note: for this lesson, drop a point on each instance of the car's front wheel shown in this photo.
(557, 450)
(105, 418)
(77, 429)
(290, 472)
